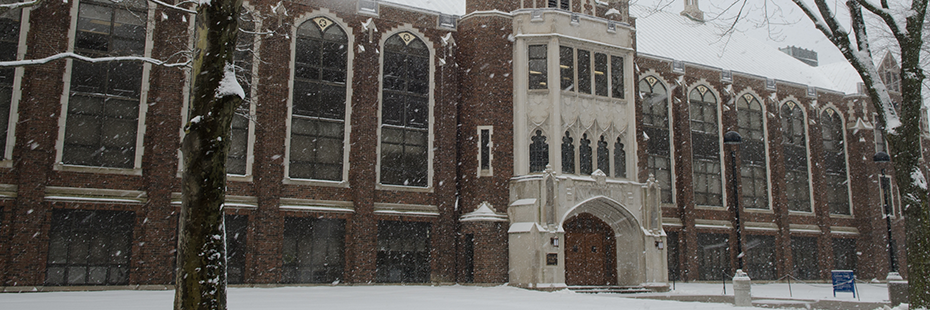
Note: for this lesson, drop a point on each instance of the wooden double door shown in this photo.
(590, 257)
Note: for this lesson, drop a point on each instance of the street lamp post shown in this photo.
(742, 296)
(733, 138)
(881, 158)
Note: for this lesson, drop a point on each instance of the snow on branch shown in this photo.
(898, 30)
(173, 6)
(18, 5)
(42, 61)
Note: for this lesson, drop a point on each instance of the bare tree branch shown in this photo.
(884, 15)
(41, 61)
(175, 6)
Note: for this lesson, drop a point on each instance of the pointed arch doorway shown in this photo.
(590, 254)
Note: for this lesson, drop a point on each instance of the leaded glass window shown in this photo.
(616, 76)
(603, 157)
(656, 128)
(405, 111)
(539, 152)
(794, 151)
(600, 74)
(619, 160)
(584, 71)
(537, 66)
(585, 158)
(568, 154)
(89, 247)
(313, 250)
(705, 146)
(837, 187)
(567, 68)
(754, 178)
(103, 106)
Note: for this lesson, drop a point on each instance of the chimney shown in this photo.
(804, 55)
(692, 11)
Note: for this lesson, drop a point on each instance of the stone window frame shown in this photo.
(559, 4)
(308, 17)
(143, 98)
(719, 138)
(659, 80)
(489, 171)
(251, 91)
(765, 149)
(6, 160)
(542, 153)
(806, 135)
(430, 154)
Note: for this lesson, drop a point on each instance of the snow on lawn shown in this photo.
(866, 292)
(420, 297)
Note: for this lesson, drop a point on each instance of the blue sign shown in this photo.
(844, 281)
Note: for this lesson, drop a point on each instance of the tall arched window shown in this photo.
(539, 152)
(568, 154)
(794, 146)
(656, 127)
(237, 159)
(837, 190)
(405, 111)
(603, 157)
(319, 101)
(752, 153)
(705, 146)
(619, 159)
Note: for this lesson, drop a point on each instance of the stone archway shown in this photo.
(628, 246)
(589, 252)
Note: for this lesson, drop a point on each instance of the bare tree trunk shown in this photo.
(201, 266)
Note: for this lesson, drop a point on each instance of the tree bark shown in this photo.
(201, 267)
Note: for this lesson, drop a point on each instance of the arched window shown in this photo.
(237, 159)
(405, 111)
(705, 146)
(568, 154)
(539, 152)
(752, 153)
(794, 146)
(585, 158)
(656, 127)
(834, 157)
(619, 160)
(319, 101)
(603, 157)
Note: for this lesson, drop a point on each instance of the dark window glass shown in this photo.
(619, 160)
(313, 250)
(567, 68)
(656, 128)
(89, 247)
(805, 254)
(794, 148)
(564, 4)
(837, 189)
(539, 152)
(585, 164)
(239, 136)
(752, 153)
(537, 66)
(603, 157)
(485, 149)
(584, 71)
(319, 101)
(713, 257)
(600, 74)
(616, 76)
(236, 227)
(705, 147)
(9, 44)
(403, 252)
(568, 154)
(759, 260)
(103, 108)
(844, 254)
(405, 112)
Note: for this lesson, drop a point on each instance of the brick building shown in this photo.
(542, 143)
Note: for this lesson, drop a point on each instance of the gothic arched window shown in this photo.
(749, 114)
(319, 101)
(656, 128)
(834, 157)
(794, 146)
(705, 146)
(405, 111)
(568, 154)
(539, 152)
(585, 158)
(619, 160)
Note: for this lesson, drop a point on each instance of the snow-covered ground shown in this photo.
(416, 297)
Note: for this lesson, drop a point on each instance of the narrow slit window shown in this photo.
(485, 146)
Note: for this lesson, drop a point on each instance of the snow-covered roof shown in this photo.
(673, 36)
(843, 76)
(451, 7)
